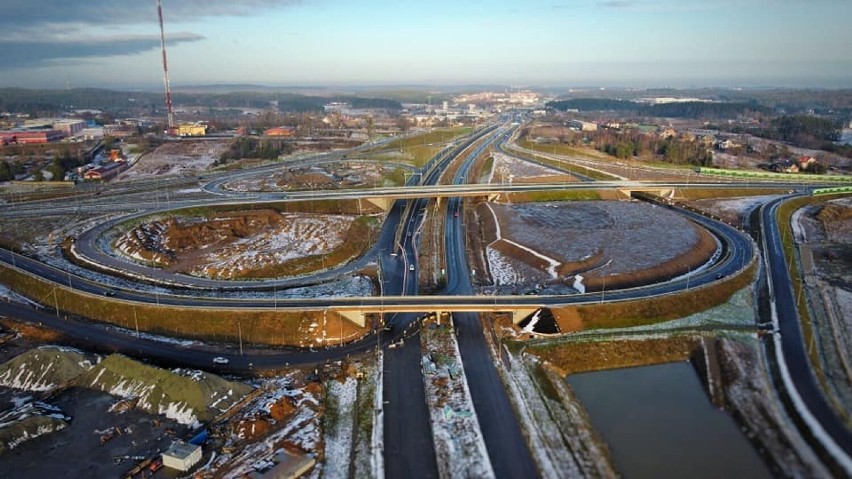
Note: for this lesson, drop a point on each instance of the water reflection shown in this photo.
(659, 423)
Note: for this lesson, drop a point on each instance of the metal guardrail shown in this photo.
(792, 177)
(831, 191)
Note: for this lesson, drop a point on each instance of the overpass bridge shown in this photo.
(358, 314)
(385, 197)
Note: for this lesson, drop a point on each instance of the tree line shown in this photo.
(247, 147)
(54, 102)
(689, 109)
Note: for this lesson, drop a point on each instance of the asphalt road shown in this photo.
(792, 343)
(409, 450)
(507, 449)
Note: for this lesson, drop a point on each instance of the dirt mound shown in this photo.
(832, 212)
(187, 399)
(282, 409)
(29, 427)
(178, 157)
(162, 241)
(328, 176)
(836, 219)
(232, 245)
(43, 369)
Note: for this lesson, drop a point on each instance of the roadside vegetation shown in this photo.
(653, 310)
(419, 149)
(277, 327)
(564, 165)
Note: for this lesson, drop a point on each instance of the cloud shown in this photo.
(124, 12)
(44, 32)
(17, 54)
(616, 3)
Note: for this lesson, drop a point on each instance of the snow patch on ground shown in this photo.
(10, 296)
(562, 439)
(501, 269)
(338, 438)
(300, 236)
(458, 440)
(301, 430)
(506, 166)
(743, 204)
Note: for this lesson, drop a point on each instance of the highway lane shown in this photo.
(409, 449)
(804, 383)
(507, 449)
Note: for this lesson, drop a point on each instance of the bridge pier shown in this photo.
(356, 316)
(359, 316)
(384, 203)
(518, 314)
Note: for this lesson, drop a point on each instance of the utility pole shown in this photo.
(136, 321)
(56, 301)
(240, 332)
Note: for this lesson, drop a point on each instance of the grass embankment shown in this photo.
(785, 227)
(565, 150)
(625, 314)
(590, 355)
(570, 195)
(268, 327)
(711, 193)
(453, 167)
(432, 257)
(563, 165)
(482, 169)
(419, 149)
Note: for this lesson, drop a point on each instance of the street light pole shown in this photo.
(688, 274)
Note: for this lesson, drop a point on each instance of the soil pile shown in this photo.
(235, 245)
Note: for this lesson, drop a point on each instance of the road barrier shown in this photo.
(793, 177)
(831, 191)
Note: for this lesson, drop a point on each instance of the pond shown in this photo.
(659, 423)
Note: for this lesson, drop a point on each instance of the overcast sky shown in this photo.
(643, 43)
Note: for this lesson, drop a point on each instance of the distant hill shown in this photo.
(688, 109)
(129, 103)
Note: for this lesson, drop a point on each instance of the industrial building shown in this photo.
(191, 129)
(582, 125)
(105, 172)
(280, 131)
(181, 456)
(26, 137)
(69, 127)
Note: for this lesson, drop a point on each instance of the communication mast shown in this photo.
(171, 118)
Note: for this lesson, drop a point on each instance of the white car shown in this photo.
(220, 360)
(411, 267)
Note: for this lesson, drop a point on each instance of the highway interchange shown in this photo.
(407, 438)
